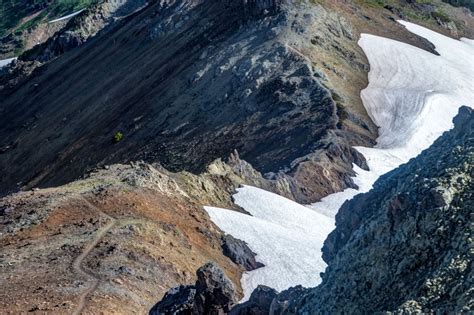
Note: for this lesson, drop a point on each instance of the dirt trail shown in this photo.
(77, 264)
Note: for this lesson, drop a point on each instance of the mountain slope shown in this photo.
(190, 81)
(259, 96)
(115, 241)
(182, 83)
(405, 245)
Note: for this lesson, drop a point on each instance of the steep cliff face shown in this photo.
(406, 245)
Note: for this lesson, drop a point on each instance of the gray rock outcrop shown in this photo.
(259, 302)
(239, 252)
(212, 294)
(406, 246)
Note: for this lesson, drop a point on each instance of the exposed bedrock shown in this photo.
(184, 82)
(405, 246)
(239, 252)
(259, 302)
(213, 293)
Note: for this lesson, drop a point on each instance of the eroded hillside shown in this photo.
(190, 81)
(180, 84)
(115, 241)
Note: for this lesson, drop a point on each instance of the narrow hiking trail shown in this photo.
(77, 264)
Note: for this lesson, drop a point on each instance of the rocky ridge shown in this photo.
(258, 74)
(283, 75)
(130, 231)
(405, 247)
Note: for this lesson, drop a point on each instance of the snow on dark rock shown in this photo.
(239, 252)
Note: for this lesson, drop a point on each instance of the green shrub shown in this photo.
(117, 137)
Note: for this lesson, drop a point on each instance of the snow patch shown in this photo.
(412, 96)
(6, 62)
(285, 235)
(66, 16)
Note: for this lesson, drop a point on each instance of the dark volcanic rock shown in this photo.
(406, 246)
(239, 252)
(185, 82)
(179, 300)
(259, 7)
(259, 303)
(283, 303)
(213, 293)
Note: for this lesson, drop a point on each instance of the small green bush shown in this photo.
(117, 137)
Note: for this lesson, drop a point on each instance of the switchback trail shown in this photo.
(77, 264)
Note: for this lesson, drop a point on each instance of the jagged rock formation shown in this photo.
(239, 252)
(405, 246)
(260, 302)
(213, 293)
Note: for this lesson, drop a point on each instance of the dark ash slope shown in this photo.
(185, 83)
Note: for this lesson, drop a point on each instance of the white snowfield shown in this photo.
(286, 235)
(412, 96)
(6, 62)
(66, 16)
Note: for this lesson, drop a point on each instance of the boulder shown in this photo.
(239, 252)
(213, 293)
(178, 300)
(259, 303)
